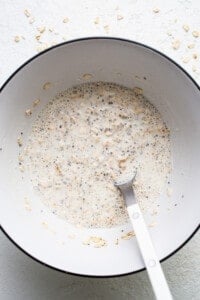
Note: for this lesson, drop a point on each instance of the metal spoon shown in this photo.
(150, 258)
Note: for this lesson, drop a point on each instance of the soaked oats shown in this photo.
(83, 140)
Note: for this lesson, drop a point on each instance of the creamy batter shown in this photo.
(85, 139)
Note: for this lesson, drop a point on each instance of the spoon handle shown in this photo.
(151, 261)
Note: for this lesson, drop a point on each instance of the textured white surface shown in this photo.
(22, 278)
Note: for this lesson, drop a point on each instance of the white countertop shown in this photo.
(21, 277)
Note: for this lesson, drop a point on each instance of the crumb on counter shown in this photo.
(169, 191)
(66, 20)
(17, 39)
(41, 29)
(186, 59)
(71, 236)
(19, 141)
(87, 76)
(27, 13)
(95, 241)
(46, 85)
(186, 27)
(96, 21)
(128, 235)
(156, 10)
(176, 44)
(191, 46)
(28, 112)
(120, 17)
(36, 102)
(138, 91)
(195, 33)
(106, 28)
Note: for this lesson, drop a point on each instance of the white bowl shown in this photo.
(38, 232)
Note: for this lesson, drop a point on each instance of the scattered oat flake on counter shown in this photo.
(27, 205)
(156, 10)
(106, 28)
(195, 55)
(27, 13)
(194, 69)
(17, 39)
(71, 236)
(28, 112)
(191, 46)
(41, 29)
(128, 235)
(169, 192)
(138, 91)
(42, 47)
(120, 17)
(176, 44)
(36, 102)
(186, 27)
(87, 76)
(95, 241)
(19, 141)
(46, 86)
(32, 20)
(45, 224)
(154, 212)
(66, 20)
(117, 241)
(153, 224)
(186, 59)
(96, 21)
(37, 37)
(195, 33)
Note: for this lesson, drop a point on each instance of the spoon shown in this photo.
(153, 266)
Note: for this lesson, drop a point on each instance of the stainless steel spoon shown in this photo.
(153, 266)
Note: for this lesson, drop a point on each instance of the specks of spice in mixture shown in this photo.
(128, 235)
(83, 140)
(95, 241)
(46, 86)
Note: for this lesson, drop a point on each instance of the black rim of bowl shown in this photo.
(86, 39)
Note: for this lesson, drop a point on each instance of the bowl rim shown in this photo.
(88, 39)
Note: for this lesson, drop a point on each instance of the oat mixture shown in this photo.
(85, 139)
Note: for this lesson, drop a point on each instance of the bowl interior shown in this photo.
(23, 216)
